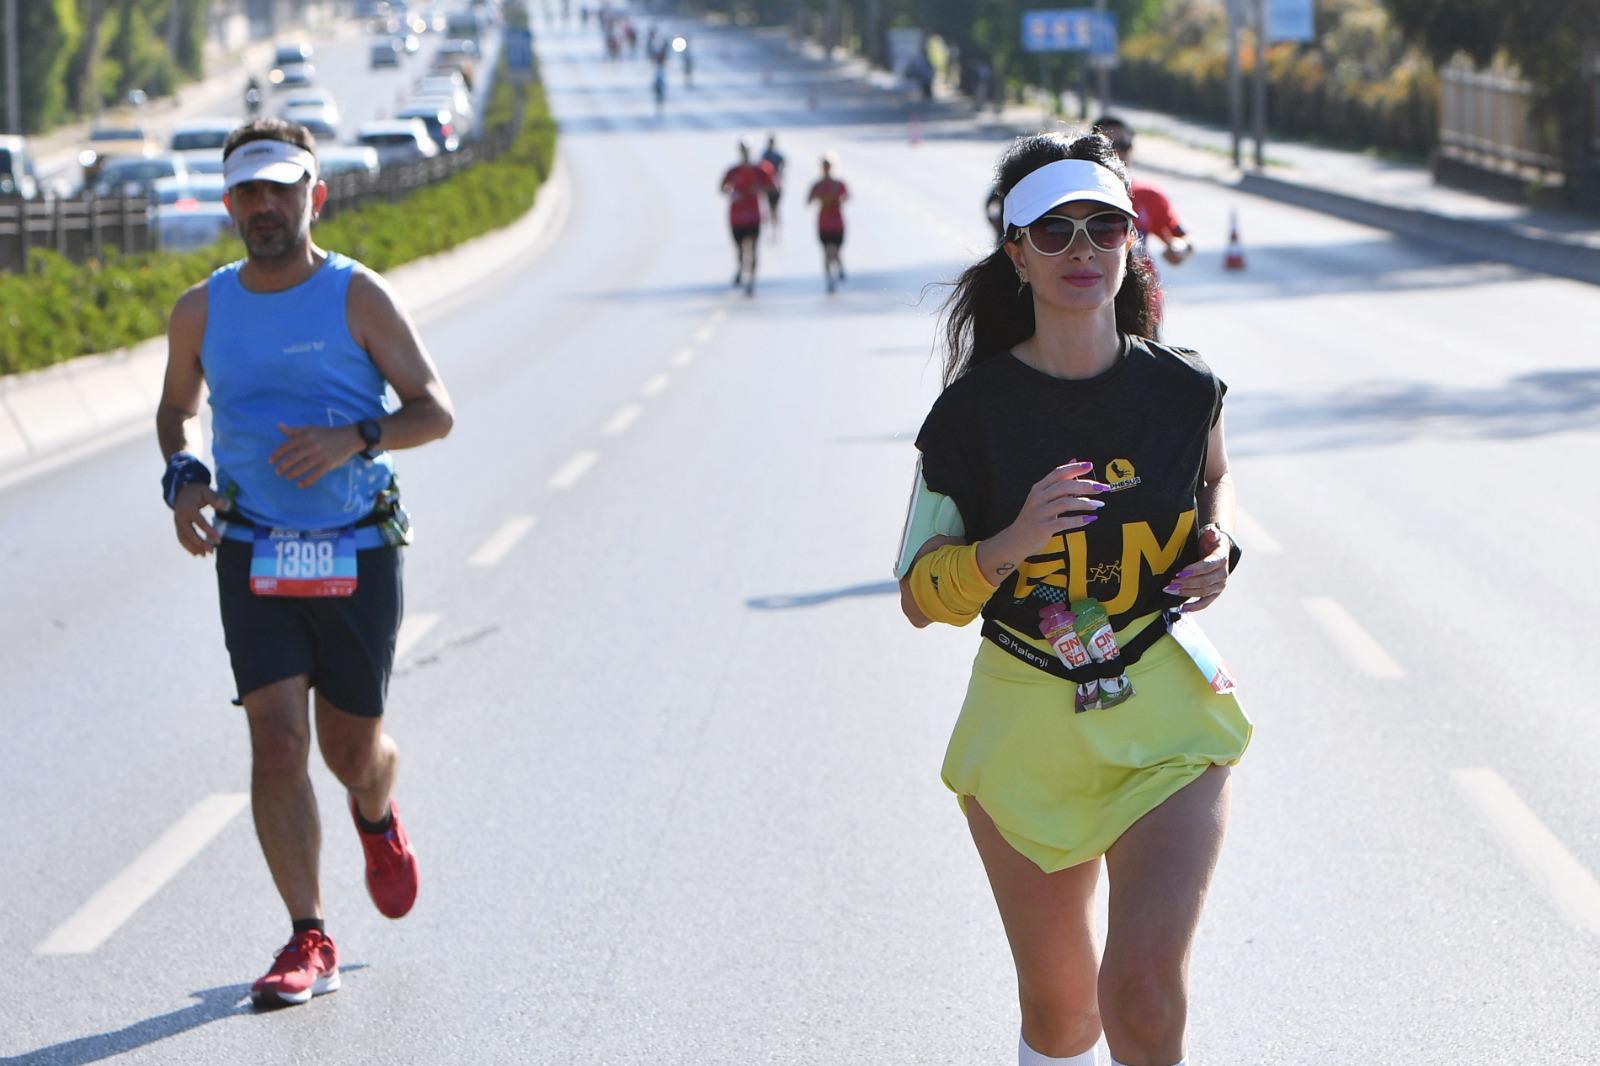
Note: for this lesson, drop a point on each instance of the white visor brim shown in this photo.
(1063, 182)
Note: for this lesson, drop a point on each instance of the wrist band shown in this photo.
(182, 469)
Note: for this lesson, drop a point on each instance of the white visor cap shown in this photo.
(1065, 181)
(268, 160)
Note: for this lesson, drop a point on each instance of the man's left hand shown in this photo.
(309, 452)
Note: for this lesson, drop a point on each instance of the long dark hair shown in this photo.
(987, 314)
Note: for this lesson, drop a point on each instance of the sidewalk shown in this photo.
(1397, 196)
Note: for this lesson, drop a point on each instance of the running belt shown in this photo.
(1050, 663)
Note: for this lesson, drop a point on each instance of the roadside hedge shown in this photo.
(58, 310)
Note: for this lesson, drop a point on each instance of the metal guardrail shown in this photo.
(81, 228)
(84, 228)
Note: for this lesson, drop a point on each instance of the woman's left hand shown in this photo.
(1202, 582)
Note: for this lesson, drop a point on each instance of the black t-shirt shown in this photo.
(1144, 423)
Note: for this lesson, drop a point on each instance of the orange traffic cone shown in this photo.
(1234, 258)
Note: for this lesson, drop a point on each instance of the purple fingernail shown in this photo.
(1099, 486)
(1183, 574)
(1171, 588)
(1090, 518)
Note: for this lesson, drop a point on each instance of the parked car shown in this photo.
(310, 99)
(316, 123)
(347, 159)
(136, 175)
(440, 122)
(461, 122)
(384, 53)
(292, 75)
(198, 143)
(186, 226)
(106, 142)
(195, 188)
(17, 177)
(202, 160)
(457, 98)
(288, 52)
(398, 141)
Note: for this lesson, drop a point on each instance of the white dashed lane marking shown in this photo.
(501, 541)
(412, 629)
(572, 470)
(1556, 870)
(1360, 648)
(656, 385)
(683, 357)
(626, 416)
(105, 912)
(704, 333)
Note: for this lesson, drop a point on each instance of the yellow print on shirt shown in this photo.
(1064, 564)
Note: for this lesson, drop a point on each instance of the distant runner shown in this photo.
(1157, 217)
(829, 194)
(745, 184)
(774, 159)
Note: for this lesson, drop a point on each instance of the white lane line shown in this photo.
(1541, 853)
(1359, 647)
(1253, 536)
(704, 333)
(572, 470)
(94, 923)
(626, 416)
(501, 541)
(656, 385)
(683, 357)
(412, 629)
(719, 315)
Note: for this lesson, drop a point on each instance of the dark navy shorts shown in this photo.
(344, 644)
(746, 233)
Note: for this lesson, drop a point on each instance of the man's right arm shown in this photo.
(184, 383)
(180, 405)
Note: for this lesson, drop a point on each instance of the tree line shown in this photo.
(78, 56)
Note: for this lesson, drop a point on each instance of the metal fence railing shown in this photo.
(1486, 120)
(80, 228)
(83, 228)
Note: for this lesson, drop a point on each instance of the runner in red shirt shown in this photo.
(1157, 218)
(829, 193)
(746, 184)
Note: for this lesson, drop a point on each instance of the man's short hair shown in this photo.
(270, 129)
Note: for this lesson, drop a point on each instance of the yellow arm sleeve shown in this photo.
(948, 586)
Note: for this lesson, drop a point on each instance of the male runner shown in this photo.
(829, 194)
(774, 161)
(743, 184)
(296, 345)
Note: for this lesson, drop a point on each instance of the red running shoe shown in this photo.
(391, 865)
(308, 965)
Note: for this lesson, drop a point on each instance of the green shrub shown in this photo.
(58, 309)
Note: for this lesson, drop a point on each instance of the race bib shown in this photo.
(290, 562)
(1187, 632)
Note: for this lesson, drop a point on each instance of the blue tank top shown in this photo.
(272, 357)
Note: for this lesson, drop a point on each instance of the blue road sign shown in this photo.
(1291, 20)
(519, 49)
(1071, 30)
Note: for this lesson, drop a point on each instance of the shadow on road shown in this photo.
(1529, 405)
(785, 601)
(215, 1005)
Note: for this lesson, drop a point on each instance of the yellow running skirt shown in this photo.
(1062, 786)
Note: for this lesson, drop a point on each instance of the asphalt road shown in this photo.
(671, 757)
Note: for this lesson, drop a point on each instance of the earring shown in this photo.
(1022, 283)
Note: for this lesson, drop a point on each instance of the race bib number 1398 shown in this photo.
(289, 562)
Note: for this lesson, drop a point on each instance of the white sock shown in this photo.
(1181, 1062)
(1026, 1056)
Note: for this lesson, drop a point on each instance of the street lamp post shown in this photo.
(13, 79)
(1235, 84)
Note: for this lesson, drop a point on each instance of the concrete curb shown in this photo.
(1502, 243)
(54, 415)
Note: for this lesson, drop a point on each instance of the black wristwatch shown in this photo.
(371, 436)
